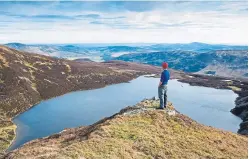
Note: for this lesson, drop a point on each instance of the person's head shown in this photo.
(164, 65)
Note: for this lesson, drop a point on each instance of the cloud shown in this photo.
(112, 22)
(89, 16)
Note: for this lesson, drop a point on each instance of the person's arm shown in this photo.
(161, 80)
(168, 77)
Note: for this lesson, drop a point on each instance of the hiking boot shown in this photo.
(160, 108)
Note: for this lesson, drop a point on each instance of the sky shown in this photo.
(223, 22)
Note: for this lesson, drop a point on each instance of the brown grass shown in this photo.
(6, 136)
(4, 61)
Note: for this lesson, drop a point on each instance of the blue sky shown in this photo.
(124, 22)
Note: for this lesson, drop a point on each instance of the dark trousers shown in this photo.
(162, 94)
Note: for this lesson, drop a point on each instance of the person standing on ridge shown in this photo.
(162, 87)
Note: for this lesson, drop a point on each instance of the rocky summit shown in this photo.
(140, 131)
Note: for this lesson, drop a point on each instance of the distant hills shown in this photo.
(76, 51)
(213, 59)
(224, 63)
(196, 47)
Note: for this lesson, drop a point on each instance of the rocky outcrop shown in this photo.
(241, 108)
(139, 131)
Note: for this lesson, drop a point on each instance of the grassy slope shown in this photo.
(137, 133)
(6, 135)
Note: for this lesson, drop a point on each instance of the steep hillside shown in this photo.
(26, 79)
(231, 63)
(139, 132)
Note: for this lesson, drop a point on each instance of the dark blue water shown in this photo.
(206, 105)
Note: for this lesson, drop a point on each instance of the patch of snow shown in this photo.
(150, 75)
(25, 78)
(119, 54)
(171, 112)
(226, 80)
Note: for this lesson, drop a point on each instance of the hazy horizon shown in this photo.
(123, 44)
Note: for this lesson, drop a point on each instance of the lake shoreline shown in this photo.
(238, 86)
(55, 97)
(52, 98)
(146, 77)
